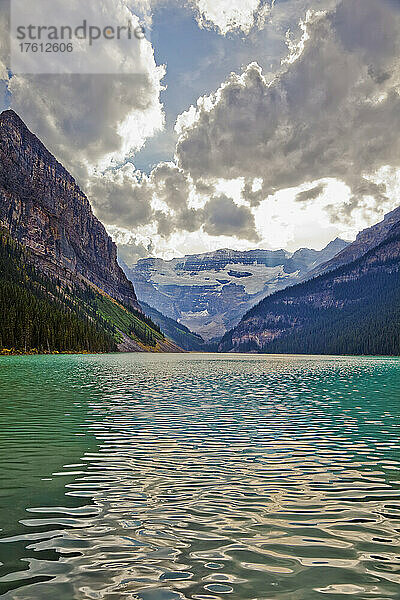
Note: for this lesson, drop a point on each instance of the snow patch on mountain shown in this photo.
(210, 292)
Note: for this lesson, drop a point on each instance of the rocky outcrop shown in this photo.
(43, 208)
(366, 239)
(165, 346)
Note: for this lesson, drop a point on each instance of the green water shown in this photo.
(169, 477)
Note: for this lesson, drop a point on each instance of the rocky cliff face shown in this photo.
(43, 208)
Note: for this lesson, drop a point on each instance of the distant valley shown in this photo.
(210, 292)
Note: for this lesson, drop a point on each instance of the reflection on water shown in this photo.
(149, 477)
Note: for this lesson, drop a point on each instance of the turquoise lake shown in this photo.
(199, 476)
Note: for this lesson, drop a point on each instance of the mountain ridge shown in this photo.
(210, 292)
(366, 239)
(59, 265)
(44, 209)
(353, 309)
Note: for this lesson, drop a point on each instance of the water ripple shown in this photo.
(199, 477)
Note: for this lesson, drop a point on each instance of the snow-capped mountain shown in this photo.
(210, 292)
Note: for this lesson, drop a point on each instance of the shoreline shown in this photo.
(34, 352)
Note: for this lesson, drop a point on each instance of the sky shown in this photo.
(252, 124)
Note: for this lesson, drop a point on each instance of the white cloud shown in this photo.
(222, 216)
(4, 35)
(162, 202)
(223, 16)
(120, 198)
(332, 112)
(314, 139)
(91, 121)
(230, 15)
(310, 139)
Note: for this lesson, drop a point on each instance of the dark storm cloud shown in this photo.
(223, 217)
(311, 194)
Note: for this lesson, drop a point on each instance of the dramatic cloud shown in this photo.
(223, 217)
(86, 127)
(120, 198)
(91, 120)
(223, 16)
(311, 194)
(231, 15)
(372, 194)
(171, 185)
(4, 35)
(130, 252)
(129, 199)
(238, 17)
(332, 112)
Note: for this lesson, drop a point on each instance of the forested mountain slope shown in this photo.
(39, 314)
(354, 309)
(366, 240)
(43, 208)
(61, 288)
(178, 333)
